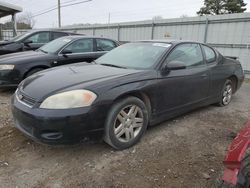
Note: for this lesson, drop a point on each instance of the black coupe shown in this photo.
(62, 51)
(30, 40)
(120, 94)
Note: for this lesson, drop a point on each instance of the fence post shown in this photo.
(118, 32)
(206, 30)
(152, 30)
(13, 19)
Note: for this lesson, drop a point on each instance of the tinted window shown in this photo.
(189, 54)
(141, 55)
(42, 37)
(81, 46)
(209, 54)
(56, 35)
(104, 45)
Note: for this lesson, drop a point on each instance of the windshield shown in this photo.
(141, 55)
(55, 45)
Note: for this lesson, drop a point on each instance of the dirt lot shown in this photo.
(184, 152)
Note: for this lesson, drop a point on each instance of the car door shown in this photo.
(215, 70)
(81, 50)
(36, 40)
(186, 86)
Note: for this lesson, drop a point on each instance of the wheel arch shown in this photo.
(35, 67)
(234, 79)
(141, 95)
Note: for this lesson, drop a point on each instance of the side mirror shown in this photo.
(66, 52)
(27, 42)
(175, 65)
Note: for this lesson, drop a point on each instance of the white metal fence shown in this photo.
(8, 34)
(230, 33)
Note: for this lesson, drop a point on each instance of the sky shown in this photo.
(98, 11)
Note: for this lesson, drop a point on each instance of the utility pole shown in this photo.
(59, 13)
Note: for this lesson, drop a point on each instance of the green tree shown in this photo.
(215, 7)
(235, 6)
(212, 7)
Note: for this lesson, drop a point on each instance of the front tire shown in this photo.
(126, 123)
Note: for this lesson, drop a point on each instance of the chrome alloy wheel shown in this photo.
(128, 123)
(227, 94)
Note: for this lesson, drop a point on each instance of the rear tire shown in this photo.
(33, 71)
(226, 93)
(126, 123)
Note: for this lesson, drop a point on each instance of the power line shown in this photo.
(67, 5)
(76, 3)
(45, 12)
(69, 1)
(52, 7)
(62, 6)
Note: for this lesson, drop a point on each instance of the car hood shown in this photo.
(22, 57)
(76, 76)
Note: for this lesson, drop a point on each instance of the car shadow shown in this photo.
(97, 142)
(182, 116)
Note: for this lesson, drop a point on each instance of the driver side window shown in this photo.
(42, 37)
(188, 54)
(80, 46)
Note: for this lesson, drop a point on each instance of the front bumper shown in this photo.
(58, 126)
(9, 78)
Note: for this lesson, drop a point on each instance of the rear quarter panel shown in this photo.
(224, 69)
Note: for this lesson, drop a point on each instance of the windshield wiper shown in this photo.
(111, 65)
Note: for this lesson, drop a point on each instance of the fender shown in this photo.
(235, 153)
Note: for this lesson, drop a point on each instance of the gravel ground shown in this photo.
(184, 152)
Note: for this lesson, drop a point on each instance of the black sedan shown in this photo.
(133, 86)
(31, 40)
(62, 51)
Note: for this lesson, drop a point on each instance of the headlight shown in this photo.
(7, 67)
(69, 99)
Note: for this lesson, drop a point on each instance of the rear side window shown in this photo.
(209, 54)
(81, 46)
(105, 45)
(189, 54)
(56, 35)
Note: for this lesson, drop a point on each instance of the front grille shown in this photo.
(25, 99)
(28, 100)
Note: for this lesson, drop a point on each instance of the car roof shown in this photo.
(50, 30)
(79, 36)
(170, 41)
